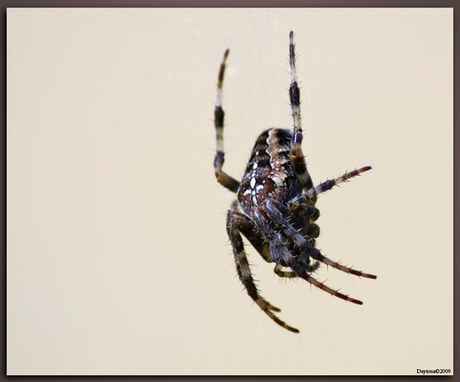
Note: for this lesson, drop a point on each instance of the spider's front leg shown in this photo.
(236, 223)
(296, 155)
(225, 180)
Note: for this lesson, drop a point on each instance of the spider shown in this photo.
(275, 207)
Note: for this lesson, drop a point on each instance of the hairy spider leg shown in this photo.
(234, 225)
(290, 232)
(261, 245)
(287, 274)
(288, 258)
(303, 274)
(248, 229)
(307, 215)
(310, 196)
(296, 155)
(309, 229)
(225, 180)
(281, 224)
(307, 212)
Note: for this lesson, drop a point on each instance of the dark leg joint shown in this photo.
(219, 161)
(219, 116)
(294, 94)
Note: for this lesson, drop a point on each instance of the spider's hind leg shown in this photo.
(235, 225)
(248, 229)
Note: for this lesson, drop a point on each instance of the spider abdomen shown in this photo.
(269, 173)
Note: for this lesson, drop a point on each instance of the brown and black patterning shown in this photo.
(275, 208)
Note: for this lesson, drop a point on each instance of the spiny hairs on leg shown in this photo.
(289, 231)
(323, 187)
(263, 225)
(244, 271)
(325, 288)
(343, 268)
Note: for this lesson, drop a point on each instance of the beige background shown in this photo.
(118, 260)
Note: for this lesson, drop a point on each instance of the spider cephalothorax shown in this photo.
(275, 208)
